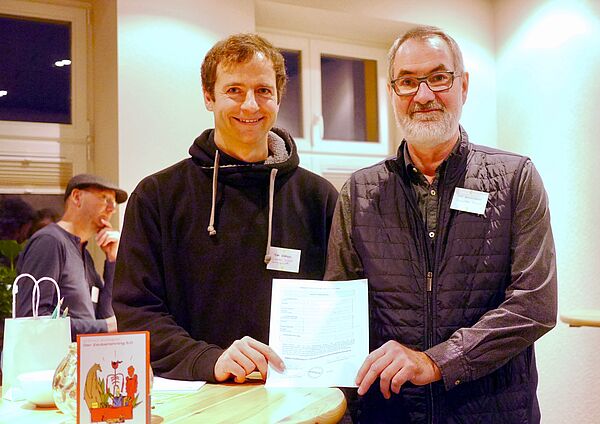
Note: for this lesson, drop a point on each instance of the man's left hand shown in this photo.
(396, 364)
(108, 240)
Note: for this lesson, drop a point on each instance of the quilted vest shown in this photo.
(419, 295)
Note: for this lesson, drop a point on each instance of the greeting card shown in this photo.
(113, 372)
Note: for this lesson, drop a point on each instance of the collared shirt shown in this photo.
(426, 193)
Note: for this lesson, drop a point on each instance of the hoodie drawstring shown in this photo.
(211, 224)
(271, 193)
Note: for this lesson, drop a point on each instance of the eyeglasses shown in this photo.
(436, 81)
(108, 201)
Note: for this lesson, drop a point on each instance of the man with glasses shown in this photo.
(456, 243)
(59, 251)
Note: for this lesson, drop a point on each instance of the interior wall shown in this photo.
(104, 87)
(548, 101)
(532, 90)
(161, 46)
(470, 22)
(105, 132)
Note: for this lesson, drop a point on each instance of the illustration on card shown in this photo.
(111, 396)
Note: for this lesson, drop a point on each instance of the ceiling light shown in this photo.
(61, 63)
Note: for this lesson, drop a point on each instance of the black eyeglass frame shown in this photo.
(424, 79)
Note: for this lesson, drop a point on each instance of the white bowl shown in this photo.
(37, 387)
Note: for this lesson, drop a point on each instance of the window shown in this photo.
(349, 98)
(35, 70)
(290, 111)
(44, 129)
(336, 100)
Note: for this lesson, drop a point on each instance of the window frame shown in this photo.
(311, 49)
(79, 127)
(287, 42)
(48, 154)
(334, 48)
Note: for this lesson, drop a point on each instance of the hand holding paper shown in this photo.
(320, 329)
(245, 356)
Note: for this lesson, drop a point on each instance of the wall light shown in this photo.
(556, 24)
(3, 93)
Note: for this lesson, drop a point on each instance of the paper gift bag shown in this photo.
(33, 343)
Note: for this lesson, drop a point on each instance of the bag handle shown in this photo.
(35, 294)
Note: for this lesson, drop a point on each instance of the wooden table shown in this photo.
(581, 317)
(214, 403)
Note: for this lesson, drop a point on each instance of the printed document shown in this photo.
(321, 331)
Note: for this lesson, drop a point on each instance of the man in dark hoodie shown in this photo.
(203, 239)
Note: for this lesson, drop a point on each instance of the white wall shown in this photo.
(548, 102)
(470, 22)
(161, 45)
(533, 91)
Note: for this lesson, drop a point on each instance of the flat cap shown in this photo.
(82, 181)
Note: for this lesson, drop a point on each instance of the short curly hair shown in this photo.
(241, 48)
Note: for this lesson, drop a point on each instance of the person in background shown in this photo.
(456, 243)
(203, 239)
(42, 218)
(16, 219)
(59, 250)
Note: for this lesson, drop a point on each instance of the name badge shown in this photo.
(283, 259)
(95, 293)
(469, 200)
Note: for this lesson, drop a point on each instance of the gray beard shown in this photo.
(428, 133)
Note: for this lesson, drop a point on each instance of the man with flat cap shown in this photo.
(59, 251)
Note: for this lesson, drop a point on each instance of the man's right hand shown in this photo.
(107, 239)
(395, 364)
(245, 356)
(111, 324)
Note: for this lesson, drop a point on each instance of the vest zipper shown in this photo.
(429, 261)
(434, 265)
(429, 254)
(429, 285)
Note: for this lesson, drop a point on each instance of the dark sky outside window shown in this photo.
(32, 87)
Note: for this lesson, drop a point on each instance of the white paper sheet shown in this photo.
(321, 331)
(168, 385)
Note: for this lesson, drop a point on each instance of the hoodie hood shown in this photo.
(237, 172)
(283, 159)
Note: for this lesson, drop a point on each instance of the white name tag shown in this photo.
(469, 200)
(95, 293)
(283, 259)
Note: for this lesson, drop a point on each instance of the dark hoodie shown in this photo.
(197, 293)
